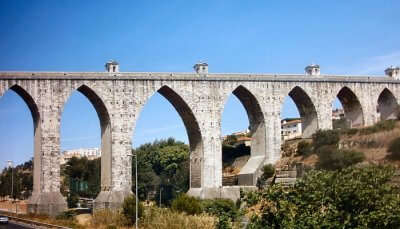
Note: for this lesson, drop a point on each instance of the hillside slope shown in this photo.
(372, 141)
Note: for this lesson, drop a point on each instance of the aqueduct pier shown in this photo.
(199, 98)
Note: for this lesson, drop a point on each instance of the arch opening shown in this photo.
(387, 105)
(167, 165)
(307, 123)
(193, 131)
(352, 114)
(256, 120)
(16, 146)
(87, 165)
(243, 151)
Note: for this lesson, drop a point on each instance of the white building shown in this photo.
(337, 114)
(291, 128)
(90, 153)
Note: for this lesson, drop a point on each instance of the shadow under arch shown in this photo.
(250, 171)
(194, 134)
(256, 119)
(352, 107)
(306, 108)
(37, 134)
(387, 105)
(106, 136)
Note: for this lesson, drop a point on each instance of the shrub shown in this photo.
(251, 198)
(188, 204)
(220, 207)
(353, 131)
(223, 222)
(129, 209)
(378, 127)
(325, 137)
(394, 149)
(333, 159)
(349, 198)
(268, 172)
(304, 148)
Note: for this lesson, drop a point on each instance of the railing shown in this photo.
(28, 222)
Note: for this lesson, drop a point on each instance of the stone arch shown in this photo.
(353, 111)
(193, 131)
(37, 134)
(307, 110)
(256, 119)
(106, 135)
(387, 105)
(250, 171)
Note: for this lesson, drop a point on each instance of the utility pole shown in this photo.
(136, 190)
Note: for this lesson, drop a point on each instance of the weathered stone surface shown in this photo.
(199, 99)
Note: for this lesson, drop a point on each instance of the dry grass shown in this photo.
(156, 218)
(106, 218)
(374, 145)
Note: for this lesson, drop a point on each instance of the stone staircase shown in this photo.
(287, 176)
(230, 180)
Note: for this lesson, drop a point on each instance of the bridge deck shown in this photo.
(192, 76)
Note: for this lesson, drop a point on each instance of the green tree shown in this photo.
(162, 164)
(23, 180)
(78, 171)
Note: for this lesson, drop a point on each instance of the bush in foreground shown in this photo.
(348, 198)
(221, 207)
(187, 204)
(268, 171)
(129, 209)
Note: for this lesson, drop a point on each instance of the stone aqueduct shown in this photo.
(199, 99)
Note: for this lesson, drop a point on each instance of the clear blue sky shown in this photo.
(344, 37)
